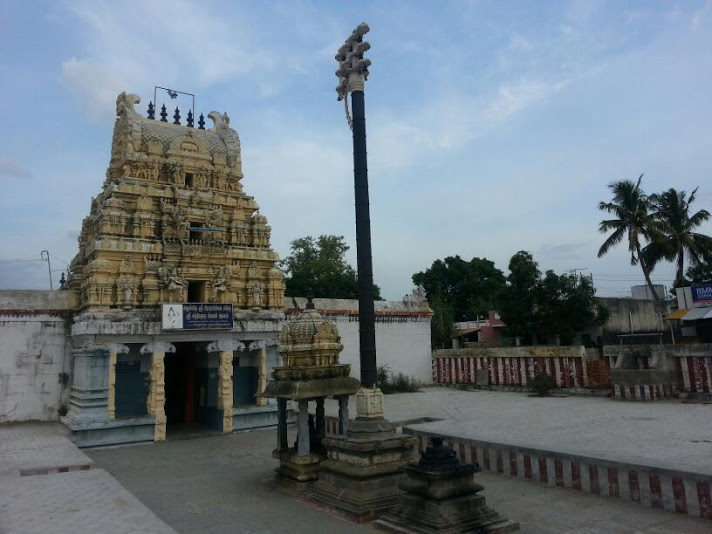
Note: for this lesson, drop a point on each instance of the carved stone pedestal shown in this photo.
(360, 476)
(441, 496)
(296, 468)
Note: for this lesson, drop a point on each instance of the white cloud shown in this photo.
(699, 16)
(519, 42)
(129, 52)
(95, 84)
(12, 169)
(513, 98)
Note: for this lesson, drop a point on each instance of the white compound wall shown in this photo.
(402, 334)
(33, 356)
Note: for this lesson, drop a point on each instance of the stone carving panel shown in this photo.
(146, 206)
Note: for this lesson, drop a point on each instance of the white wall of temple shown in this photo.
(33, 356)
(403, 345)
(402, 333)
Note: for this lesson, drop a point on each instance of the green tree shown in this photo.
(677, 238)
(442, 323)
(517, 307)
(458, 290)
(536, 306)
(699, 274)
(565, 305)
(468, 288)
(317, 267)
(633, 222)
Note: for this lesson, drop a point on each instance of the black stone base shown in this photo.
(359, 500)
(297, 468)
(419, 515)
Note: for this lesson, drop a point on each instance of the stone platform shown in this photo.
(39, 449)
(48, 485)
(75, 503)
(657, 455)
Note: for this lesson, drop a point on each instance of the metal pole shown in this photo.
(45, 256)
(352, 74)
(364, 261)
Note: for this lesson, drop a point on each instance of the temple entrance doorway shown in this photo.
(191, 391)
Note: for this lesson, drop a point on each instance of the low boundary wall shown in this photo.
(653, 487)
(514, 366)
(690, 366)
(695, 373)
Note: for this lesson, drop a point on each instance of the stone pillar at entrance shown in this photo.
(114, 350)
(261, 346)
(88, 396)
(225, 400)
(226, 349)
(157, 390)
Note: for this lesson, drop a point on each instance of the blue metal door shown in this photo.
(131, 389)
(244, 385)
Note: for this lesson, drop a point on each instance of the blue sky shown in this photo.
(493, 126)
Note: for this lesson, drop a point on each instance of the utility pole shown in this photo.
(577, 270)
(45, 256)
(352, 74)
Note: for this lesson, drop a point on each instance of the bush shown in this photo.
(387, 382)
(542, 385)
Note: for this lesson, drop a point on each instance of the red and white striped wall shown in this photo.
(674, 491)
(568, 371)
(694, 373)
(644, 392)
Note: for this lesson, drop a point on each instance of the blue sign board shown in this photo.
(196, 316)
(702, 294)
(199, 316)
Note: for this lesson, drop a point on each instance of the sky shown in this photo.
(493, 127)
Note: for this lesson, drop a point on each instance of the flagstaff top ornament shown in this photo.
(353, 68)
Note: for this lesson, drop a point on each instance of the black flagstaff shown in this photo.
(366, 314)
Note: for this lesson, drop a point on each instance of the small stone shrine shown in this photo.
(309, 345)
(441, 496)
(360, 477)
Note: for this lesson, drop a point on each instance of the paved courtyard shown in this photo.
(666, 434)
(225, 484)
(47, 485)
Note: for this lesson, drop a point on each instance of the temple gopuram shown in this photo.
(176, 296)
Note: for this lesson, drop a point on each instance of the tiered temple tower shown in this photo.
(172, 223)
(172, 231)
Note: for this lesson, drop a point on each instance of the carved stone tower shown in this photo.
(172, 223)
(177, 295)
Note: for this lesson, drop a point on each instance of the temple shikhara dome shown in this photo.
(172, 223)
(309, 345)
(309, 339)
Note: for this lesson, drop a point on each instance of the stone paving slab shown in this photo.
(664, 434)
(36, 449)
(218, 485)
(80, 502)
(225, 485)
(544, 509)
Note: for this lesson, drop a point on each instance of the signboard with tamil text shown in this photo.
(196, 316)
(702, 294)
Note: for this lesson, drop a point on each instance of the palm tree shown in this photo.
(671, 211)
(631, 207)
